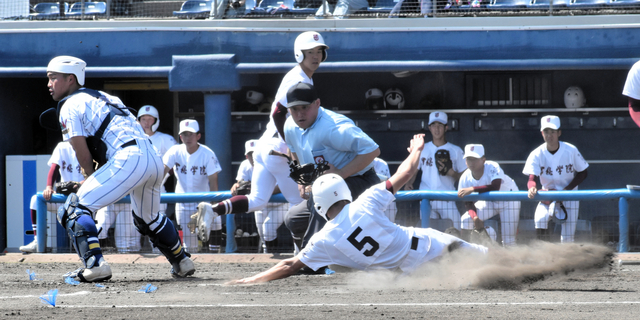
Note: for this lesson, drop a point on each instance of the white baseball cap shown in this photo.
(250, 146)
(438, 116)
(68, 65)
(189, 125)
(474, 151)
(552, 122)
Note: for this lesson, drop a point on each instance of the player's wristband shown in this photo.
(472, 214)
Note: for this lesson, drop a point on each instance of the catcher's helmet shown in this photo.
(393, 99)
(574, 98)
(309, 40)
(151, 111)
(327, 190)
(68, 65)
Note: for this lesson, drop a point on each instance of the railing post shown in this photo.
(231, 246)
(623, 225)
(41, 223)
(425, 212)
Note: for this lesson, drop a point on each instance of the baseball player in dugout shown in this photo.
(196, 168)
(63, 167)
(559, 166)
(101, 129)
(441, 165)
(484, 176)
(270, 168)
(357, 233)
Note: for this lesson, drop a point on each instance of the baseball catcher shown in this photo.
(443, 161)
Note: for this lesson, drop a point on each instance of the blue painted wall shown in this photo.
(24, 96)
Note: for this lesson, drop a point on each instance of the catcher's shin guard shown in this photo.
(163, 235)
(78, 222)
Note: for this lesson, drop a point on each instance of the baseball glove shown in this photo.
(307, 174)
(443, 161)
(244, 188)
(67, 187)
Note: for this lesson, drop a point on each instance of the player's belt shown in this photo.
(128, 144)
(414, 243)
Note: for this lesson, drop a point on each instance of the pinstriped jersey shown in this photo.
(82, 114)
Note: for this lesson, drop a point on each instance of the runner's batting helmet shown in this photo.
(309, 40)
(151, 111)
(327, 190)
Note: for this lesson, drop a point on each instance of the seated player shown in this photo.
(484, 176)
(358, 234)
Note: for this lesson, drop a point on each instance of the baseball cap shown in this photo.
(474, 151)
(301, 94)
(438, 116)
(189, 125)
(68, 65)
(250, 146)
(552, 122)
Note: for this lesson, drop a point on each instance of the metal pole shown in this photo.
(425, 212)
(41, 221)
(623, 224)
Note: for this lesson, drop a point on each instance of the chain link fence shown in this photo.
(306, 9)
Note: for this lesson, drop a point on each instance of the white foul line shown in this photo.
(432, 304)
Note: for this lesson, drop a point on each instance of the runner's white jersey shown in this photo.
(292, 77)
(555, 170)
(492, 171)
(360, 236)
(82, 115)
(192, 170)
(162, 142)
(65, 157)
(245, 171)
(431, 178)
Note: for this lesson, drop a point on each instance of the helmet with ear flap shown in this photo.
(327, 190)
(309, 40)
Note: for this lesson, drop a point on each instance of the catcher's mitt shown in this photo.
(67, 187)
(307, 174)
(443, 161)
(244, 188)
(303, 174)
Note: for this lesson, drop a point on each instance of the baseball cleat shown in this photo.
(100, 272)
(183, 268)
(205, 218)
(30, 248)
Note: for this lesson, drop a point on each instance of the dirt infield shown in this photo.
(607, 292)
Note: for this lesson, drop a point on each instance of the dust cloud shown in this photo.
(501, 268)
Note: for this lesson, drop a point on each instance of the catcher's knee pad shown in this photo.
(163, 235)
(84, 236)
(68, 210)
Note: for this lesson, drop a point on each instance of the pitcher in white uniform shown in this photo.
(358, 234)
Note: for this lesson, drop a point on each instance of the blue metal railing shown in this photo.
(622, 194)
